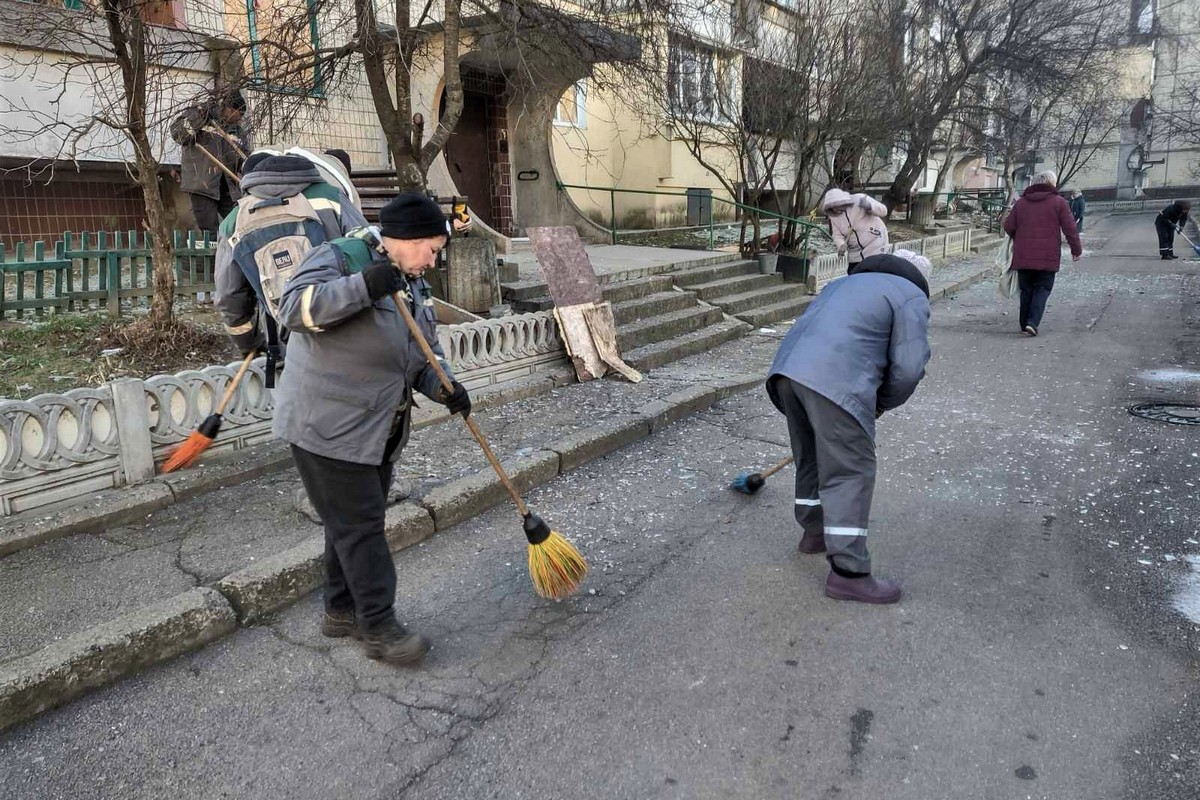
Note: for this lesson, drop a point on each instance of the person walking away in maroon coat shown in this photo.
(1036, 225)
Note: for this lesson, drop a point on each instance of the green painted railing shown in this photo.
(807, 226)
(89, 271)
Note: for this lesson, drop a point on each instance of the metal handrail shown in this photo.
(612, 204)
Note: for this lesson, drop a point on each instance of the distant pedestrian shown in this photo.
(211, 137)
(856, 224)
(859, 350)
(1036, 225)
(1078, 206)
(1168, 222)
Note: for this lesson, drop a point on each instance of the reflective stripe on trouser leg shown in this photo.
(808, 505)
(846, 479)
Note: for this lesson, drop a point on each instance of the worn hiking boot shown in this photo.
(394, 645)
(867, 589)
(810, 544)
(339, 626)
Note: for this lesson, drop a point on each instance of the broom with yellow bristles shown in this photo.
(555, 566)
(191, 448)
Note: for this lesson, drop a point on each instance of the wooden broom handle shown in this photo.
(232, 387)
(777, 467)
(214, 159)
(431, 357)
(234, 143)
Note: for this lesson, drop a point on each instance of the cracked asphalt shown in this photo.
(1046, 646)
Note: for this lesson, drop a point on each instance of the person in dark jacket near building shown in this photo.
(859, 350)
(1036, 225)
(1169, 222)
(216, 128)
(344, 406)
(270, 177)
(1078, 206)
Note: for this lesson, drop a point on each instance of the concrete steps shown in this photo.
(775, 292)
(714, 273)
(785, 310)
(652, 304)
(736, 285)
(666, 327)
(985, 242)
(535, 296)
(655, 355)
(740, 290)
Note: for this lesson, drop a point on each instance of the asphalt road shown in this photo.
(1048, 645)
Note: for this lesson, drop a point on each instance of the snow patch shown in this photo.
(1187, 599)
(1171, 376)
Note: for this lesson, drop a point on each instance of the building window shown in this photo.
(701, 83)
(1142, 20)
(285, 40)
(571, 111)
(165, 13)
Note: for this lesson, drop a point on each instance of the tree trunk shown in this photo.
(162, 248)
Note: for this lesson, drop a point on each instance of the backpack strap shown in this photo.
(273, 350)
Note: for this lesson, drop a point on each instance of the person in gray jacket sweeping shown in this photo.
(344, 405)
(859, 350)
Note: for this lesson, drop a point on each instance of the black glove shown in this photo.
(458, 401)
(382, 279)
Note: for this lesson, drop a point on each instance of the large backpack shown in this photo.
(270, 238)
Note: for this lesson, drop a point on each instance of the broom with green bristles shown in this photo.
(555, 566)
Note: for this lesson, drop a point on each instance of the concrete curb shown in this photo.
(67, 669)
(471, 495)
(958, 286)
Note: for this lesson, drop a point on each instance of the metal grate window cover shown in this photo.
(1173, 413)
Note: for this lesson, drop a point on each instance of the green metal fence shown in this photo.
(763, 214)
(86, 271)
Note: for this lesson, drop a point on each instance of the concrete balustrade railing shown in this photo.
(60, 448)
(828, 267)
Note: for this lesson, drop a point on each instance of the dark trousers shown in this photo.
(208, 213)
(1036, 285)
(1166, 237)
(360, 576)
(835, 473)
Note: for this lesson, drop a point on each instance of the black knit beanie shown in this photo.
(412, 215)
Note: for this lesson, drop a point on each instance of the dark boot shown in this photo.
(811, 544)
(339, 625)
(394, 645)
(865, 589)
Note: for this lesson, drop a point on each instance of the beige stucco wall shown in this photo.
(618, 149)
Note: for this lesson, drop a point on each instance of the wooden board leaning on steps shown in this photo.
(590, 336)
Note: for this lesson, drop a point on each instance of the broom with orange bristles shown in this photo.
(555, 566)
(194, 446)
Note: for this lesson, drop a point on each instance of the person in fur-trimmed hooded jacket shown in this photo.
(856, 222)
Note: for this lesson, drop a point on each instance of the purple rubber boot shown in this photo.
(813, 543)
(867, 589)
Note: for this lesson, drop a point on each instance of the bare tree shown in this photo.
(1075, 131)
(949, 45)
(111, 77)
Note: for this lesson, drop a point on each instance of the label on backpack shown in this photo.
(271, 237)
